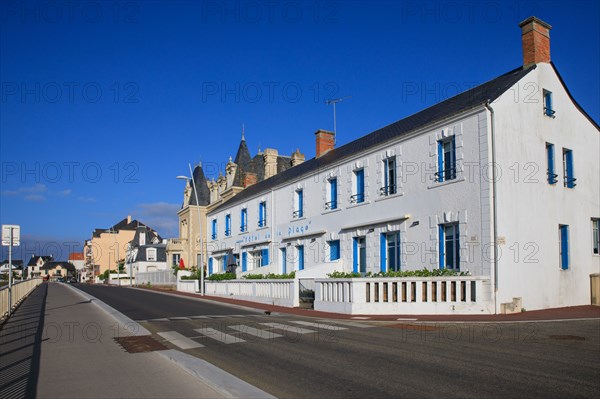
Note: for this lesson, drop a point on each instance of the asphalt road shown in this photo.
(377, 360)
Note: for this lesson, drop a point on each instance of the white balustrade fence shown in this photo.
(272, 292)
(158, 277)
(20, 290)
(414, 295)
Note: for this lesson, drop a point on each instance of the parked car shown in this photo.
(60, 280)
(46, 278)
(72, 280)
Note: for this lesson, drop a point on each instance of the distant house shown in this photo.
(34, 265)
(146, 252)
(17, 266)
(78, 260)
(55, 270)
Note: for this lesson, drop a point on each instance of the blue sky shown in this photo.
(104, 103)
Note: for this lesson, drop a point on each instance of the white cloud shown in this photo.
(35, 198)
(36, 189)
(160, 216)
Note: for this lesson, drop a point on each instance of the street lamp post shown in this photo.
(200, 260)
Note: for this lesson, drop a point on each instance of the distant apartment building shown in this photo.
(240, 173)
(107, 247)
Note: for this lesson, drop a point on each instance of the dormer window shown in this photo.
(548, 110)
(151, 254)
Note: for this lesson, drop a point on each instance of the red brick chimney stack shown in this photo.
(535, 35)
(325, 142)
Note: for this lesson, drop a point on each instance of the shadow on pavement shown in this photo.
(20, 345)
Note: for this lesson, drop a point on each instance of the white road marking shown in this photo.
(347, 323)
(219, 336)
(179, 340)
(264, 334)
(319, 325)
(287, 327)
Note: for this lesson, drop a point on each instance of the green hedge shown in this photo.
(407, 273)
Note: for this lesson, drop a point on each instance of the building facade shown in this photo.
(146, 252)
(501, 181)
(240, 173)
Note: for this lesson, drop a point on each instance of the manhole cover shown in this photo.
(418, 327)
(567, 337)
(139, 344)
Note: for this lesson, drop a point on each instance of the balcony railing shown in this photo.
(262, 223)
(552, 178)
(357, 198)
(445, 174)
(297, 214)
(331, 205)
(387, 190)
(570, 181)
(243, 228)
(549, 112)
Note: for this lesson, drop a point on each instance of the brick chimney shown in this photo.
(325, 141)
(535, 35)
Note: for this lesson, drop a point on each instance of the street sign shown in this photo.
(6, 235)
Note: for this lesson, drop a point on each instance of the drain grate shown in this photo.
(567, 337)
(139, 344)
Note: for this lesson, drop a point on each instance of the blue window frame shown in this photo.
(299, 212)
(210, 266)
(243, 220)
(283, 253)
(332, 204)
(359, 255)
(552, 176)
(300, 249)
(244, 261)
(446, 159)
(389, 247)
(213, 230)
(264, 261)
(563, 236)
(568, 172)
(334, 250)
(548, 109)
(227, 225)
(359, 196)
(262, 214)
(389, 177)
(449, 246)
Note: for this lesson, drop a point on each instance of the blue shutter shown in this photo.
(452, 166)
(210, 266)
(333, 184)
(549, 104)
(334, 250)
(441, 245)
(440, 161)
(301, 203)
(564, 243)
(386, 180)
(301, 257)
(265, 256)
(355, 255)
(360, 185)
(382, 252)
(283, 261)
(244, 261)
(569, 172)
(550, 151)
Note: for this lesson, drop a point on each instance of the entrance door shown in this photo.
(360, 255)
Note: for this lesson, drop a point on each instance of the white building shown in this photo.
(146, 252)
(513, 162)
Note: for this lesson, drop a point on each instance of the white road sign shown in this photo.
(6, 234)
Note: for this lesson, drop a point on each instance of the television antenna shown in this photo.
(335, 101)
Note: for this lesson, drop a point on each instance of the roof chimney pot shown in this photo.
(535, 37)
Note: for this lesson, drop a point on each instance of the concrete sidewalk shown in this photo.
(567, 313)
(57, 344)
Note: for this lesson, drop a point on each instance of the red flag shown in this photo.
(181, 264)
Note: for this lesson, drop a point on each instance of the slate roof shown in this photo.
(65, 265)
(150, 234)
(122, 225)
(15, 262)
(464, 101)
(161, 253)
(34, 259)
(201, 186)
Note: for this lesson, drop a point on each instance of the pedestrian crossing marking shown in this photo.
(320, 325)
(219, 336)
(288, 328)
(264, 334)
(180, 340)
